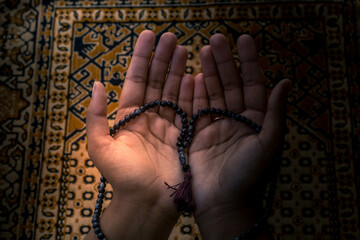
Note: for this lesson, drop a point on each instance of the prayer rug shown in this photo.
(52, 52)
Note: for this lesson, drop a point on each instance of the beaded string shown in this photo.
(182, 192)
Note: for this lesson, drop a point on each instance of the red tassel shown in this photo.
(183, 194)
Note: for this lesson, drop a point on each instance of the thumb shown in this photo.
(272, 132)
(97, 126)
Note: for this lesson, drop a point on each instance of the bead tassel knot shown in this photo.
(183, 194)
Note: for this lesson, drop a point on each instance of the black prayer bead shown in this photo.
(231, 115)
(195, 116)
(137, 112)
(179, 111)
(175, 106)
(170, 104)
(122, 122)
(152, 104)
(132, 115)
(97, 217)
(116, 126)
(191, 128)
(142, 109)
(163, 103)
(184, 121)
(182, 160)
(127, 118)
(183, 115)
(185, 167)
(100, 236)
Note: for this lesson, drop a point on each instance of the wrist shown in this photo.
(228, 221)
(129, 218)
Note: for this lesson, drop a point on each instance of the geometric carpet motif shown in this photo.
(53, 51)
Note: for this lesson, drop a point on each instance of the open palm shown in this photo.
(227, 157)
(143, 154)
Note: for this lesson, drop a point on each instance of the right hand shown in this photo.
(229, 159)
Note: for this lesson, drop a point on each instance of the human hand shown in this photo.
(143, 154)
(230, 162)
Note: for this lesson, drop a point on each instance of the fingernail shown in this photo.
(93, 90)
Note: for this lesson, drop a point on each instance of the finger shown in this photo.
(274, 122)
(173, 80)
(133, 91)
(253, 82)
(228, 72)
(159, 67)
(185, 97)
(97, 126)
(210, 74)
(201, 101)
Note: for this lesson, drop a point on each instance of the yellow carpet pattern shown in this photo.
(53, 51)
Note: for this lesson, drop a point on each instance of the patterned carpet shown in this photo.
(52, 51)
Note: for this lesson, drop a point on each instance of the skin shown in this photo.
(227, 158)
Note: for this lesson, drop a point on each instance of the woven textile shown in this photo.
(52, 52)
